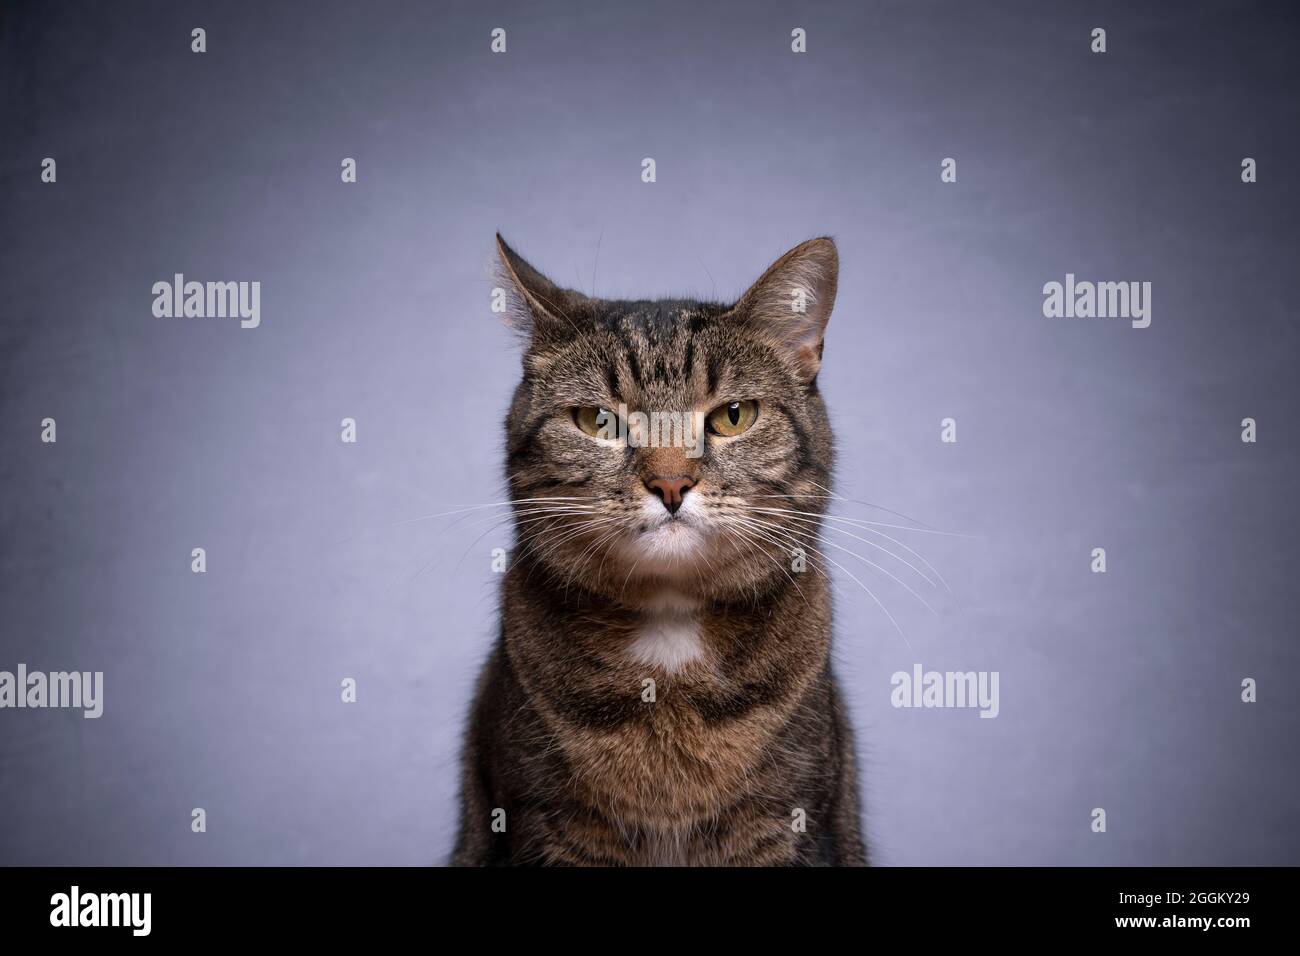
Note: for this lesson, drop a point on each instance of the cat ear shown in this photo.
(537, 307)
(791, 303)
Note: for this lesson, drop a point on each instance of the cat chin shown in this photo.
(674, 550)
(672, 543)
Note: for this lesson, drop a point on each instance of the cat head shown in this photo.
(670, 446)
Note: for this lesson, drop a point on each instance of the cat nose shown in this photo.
(671, 491)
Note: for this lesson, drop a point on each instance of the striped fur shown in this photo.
(661, 690)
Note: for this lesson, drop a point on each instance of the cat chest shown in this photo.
(667, 640)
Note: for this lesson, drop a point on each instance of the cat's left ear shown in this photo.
(791, 304)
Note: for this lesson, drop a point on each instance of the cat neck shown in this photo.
(670, 635)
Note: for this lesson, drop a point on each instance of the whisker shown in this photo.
(494, 504)
(878, 547)
(863, 522)
(885, 572)
(610, 535)
(868, 504)
(525, 513)
(855, 578)
(747, 539)
(503, 520)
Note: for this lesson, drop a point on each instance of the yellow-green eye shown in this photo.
(595, 421)
(732, 418)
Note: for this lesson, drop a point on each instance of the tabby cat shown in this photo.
(661, 691)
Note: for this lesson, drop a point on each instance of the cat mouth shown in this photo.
(667, 521)
(668, 539)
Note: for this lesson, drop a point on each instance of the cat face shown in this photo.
(664, 446)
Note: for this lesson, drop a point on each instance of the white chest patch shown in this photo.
(669, 639)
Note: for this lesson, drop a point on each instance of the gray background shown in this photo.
(222, 690)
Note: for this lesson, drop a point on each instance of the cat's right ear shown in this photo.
(791, 303)
(537, 308)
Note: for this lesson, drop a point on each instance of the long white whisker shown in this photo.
(868, 504)
(878, 547)
(863, 522)
(887, 573)
(494, 504)
(870, 593)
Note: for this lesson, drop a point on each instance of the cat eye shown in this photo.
(592, 418)
(733, 418)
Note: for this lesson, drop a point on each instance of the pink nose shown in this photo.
(671, 491)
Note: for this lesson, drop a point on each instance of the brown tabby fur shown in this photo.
(750, 731)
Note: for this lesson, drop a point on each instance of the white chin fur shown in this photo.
(669, 543)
